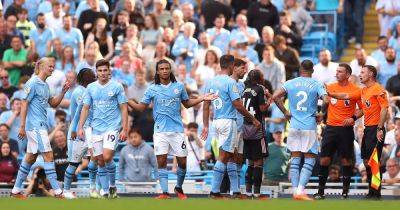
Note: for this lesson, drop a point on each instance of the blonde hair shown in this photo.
(39, 64)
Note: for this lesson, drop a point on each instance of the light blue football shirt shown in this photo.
(239, 120)
(303, 94)
(167, 101)
(227, 91)
(37, 93)
(75, 108)
(105, 100)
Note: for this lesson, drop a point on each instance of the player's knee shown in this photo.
(30, 158)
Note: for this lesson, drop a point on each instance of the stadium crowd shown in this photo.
(133, 35)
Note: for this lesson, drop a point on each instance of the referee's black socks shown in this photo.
(249, 179)
(323, 176)
(347, 173)
(258, 172)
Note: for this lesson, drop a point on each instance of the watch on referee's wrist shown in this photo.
(354, 117)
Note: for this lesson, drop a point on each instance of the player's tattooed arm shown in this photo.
(193, 102)
(206, 119)
(277, 97)
(24, 109)
(140, 107)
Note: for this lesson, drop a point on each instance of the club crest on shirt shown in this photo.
(27, 90)
(333, 101)
(176, 91)
(347, 103)
(368, 103)
(110, 93)
(235, 89)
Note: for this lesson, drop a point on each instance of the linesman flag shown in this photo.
(375, 168)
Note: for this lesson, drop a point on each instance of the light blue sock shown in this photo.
(92, 168)
(239, 173)
(163, 178)
(51, 175)
(218, 175)
(295, 171)
(233, 176)
(98, 183)
(306, 172)
(103, 177)
(111, 172)
(69, 174)
(180, 173)
(23, 172)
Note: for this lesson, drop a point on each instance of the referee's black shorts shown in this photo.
(340, 139)
(255, 149)
(369, 142)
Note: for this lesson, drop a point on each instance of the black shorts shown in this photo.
(369, 142)
(340, 139)
(255, 149)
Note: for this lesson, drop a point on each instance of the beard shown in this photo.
(390, 60)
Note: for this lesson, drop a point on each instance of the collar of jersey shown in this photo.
(166, 86)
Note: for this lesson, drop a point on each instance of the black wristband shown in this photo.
(354, 118)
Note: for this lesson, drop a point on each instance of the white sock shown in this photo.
(58, 191)
(15, 190)
(300, 190)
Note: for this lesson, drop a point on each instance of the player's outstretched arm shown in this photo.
(238, 104)
(140, 107)
(124, 113)
(82, 120)
(24, 109)
(55, 101)
(193, 102)
(206, 119)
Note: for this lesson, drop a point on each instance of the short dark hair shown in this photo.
(381, 37)
(135, 130)
(238, 62)
(279, 39)
(347, 67)
(254, 77)
(307, 65)
(23, 11)
(60, 112)
(220, 16)
(371, 69)
(284, 13)
(83, 75)
(193, 125)
(5, 125)
(102, 62)
(16, 37)
(40, 15)
(226, 61)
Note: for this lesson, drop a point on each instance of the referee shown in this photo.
(374, 104)
(339, 134)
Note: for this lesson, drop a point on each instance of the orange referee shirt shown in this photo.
(339, 110)
(373, 98)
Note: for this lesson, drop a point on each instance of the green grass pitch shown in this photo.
(193, 204)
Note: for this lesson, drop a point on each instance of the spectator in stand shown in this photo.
(99, 35)
(136, 16)
(244, 51)
(96, 48)
(379, 54)
(120, 23)
(133, 39)
(195, 148)
(160, 54)
(218, 34)
(24, 25)
(393, 86)
(289, 30)
(45, 6)
(387, 10)
(57, 48)
(209, 69)
(88, 62)
(67, 62)
(88, 18)
(71, 36)
(60, 154)
(212, 9)
(334, 174)
(85, 5)
(169, 40)
(204, 46)
(390, 135)
(150, 36)
(185, 78)
(6, 87)
(395, 149)
(11, 31)
(392, 174)
(8, 164)
(14, 8)
(188, 16)
(394, 40)
(137, 161)
(267, 39)
(14, 59)
(300, 16)
(243, 30)
(163, 16)
(276, 164)
(32, 6)
(41, 37)
(137, 89)
(124, 75)
(273, 70)
(5, 138)
(54, 19)
(388, 68)
(262, 13)
(39, 185)
(12, 119)
(325, 70)
(127, 54)
(3, 46)
(288, 56)
(354, 19)
(361, 59)
(3, 102)
(185, 47)
(177, 23)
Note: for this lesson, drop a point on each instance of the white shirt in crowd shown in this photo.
(325, 74)
(53, 22)
(193, 162)
(56, 82)
(356, 68)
